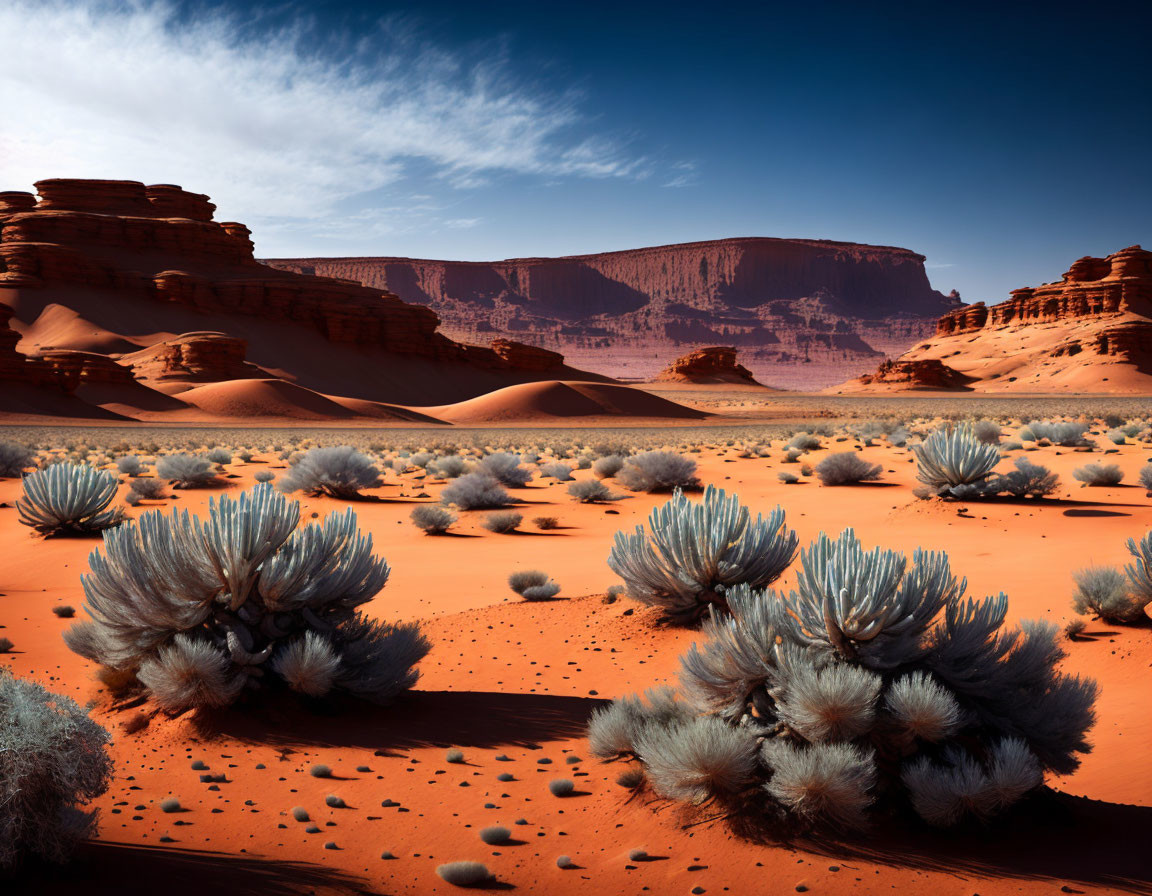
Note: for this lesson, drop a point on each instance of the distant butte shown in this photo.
(1090, 332)
(804, 313)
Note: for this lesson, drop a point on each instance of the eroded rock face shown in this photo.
(159, 245)
(18, 369)
(803, 312)
(1090, 331)
(195, 358)
(929, 374)
(713, 364)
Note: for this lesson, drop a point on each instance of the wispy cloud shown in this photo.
(684, 175)
(283, 126)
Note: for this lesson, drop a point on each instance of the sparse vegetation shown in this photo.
(338, 472)
(186, 471)
(590, 491)
(15, 459)
(1098, 474)
(1106, 593)
(532, 584)
(476, 491)
(463, 874)
(656, 471)
(502, 522)
(505, 468)
(433, 519)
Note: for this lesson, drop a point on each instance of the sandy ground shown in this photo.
(512, 685)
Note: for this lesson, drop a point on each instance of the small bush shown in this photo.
(53, 760)
(545, 522)
(657, 471)
(590, 491)
(505, 468)
(559, 472)
(1106, 593)
(334, 802)
(607, 467)
(1074, 629)
(463, 874)
(14, 460)
(1028, 480)
(1098, 474)
(454, 756)
(221, 456)
(320, 771)
(64, 611)
(170, 805)
(952, 456)
(264, 476)
(495, 835)
(804, 441)
(338, 472)
(1145, 476)
(846, 468)
(532, 584)
(6, 645)
(561, 787)
(300, 813)
(449, 467)
(186, 471)
(433, 519)
(130, 465)
(476, 491)
(787, 478)
(1067, 435)
(150, 488)
(502, 522)
(69, 499)
(987, 432)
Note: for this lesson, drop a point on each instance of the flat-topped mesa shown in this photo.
(713, 364)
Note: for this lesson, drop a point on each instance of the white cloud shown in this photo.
(278, 127)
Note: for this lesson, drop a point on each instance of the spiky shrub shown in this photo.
(201, 613)
(69, 499)
(1098, 474)
(846, 468)
(695, 551)
(432, 519)
(952, 456)
(14, 459)
(476, 491)
(1140, 572)
(532, 584)
(506, 469)
(658, 471)
(53, 761)
(1107, 593)
(874, 684)
(186, 471)
(338, 472)
(1028, 480)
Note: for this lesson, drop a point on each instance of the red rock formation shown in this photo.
(714, 364)
(928, 374)
(801, 310)
(1089, 332)
(119, 252)
(194, 358)
(17, 369)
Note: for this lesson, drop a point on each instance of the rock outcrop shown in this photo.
(1089, 332)
(710, 365)
(117, 268)
(805, 313)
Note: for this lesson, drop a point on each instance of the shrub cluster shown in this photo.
(338, 472)
(872, 685)
(846, 468)
(656, 471)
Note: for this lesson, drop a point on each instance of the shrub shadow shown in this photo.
(128, 869)
(418, 719)
(1053, 836)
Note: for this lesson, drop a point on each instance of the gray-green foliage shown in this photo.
(14, 459)
(339, 472)
(53, 761)
(694, 551)
(186, 471)
(476, 491)
(1140, 571)
(69, 499)
(532, 584)
(952, 456)
(875, 682)
(506, 469)
(846, 468)
(590, 491)
(655, 471)
(1098, 474)
(1106, 592)
(202, 612)
(433, 519)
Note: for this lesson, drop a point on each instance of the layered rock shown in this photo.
(1091, 331)
(137, 265)
(804, 312)
(929, 374)
(17, 369)
(710, 365)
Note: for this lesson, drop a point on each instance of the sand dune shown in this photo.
(554, 399)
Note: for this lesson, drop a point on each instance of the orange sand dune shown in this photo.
(555, 399)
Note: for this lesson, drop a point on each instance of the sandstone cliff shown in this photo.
(805, 313)
(1089, 332)
(114, 283)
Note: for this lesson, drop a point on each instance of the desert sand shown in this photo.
(512, 683)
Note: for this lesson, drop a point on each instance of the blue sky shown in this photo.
(1002, 142)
